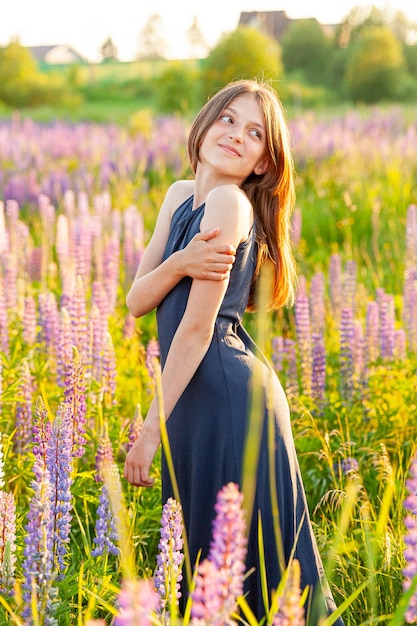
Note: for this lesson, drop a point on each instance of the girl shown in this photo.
(200, 269)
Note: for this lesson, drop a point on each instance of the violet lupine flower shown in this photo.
(291, 385)
(104, 454)
(409, 314)
(335, 283)
(76, 401)
(83, 246)
(386, 324)
(278, 353)
(346, 351)
(38, 560)
(317, 303)
(1, 461)
(358, 353)
(219, 579)
(169, 561)
(137, 603)
(1, 385)
(59, 464)
(4, 237)
(291, 612)
(65, 254)
(372, 332)
(318, 379)
(4, 325)
(10, 276)
(97, 334)
(152, 352)
(111, 263)
(42, 429)
(135, 427)
(78, 313)
(410, 540)
(106, 535)
(346, 466)
(29, 321)
(7, 542)
(411, 236)
(302, 325)
(109, 368)
(23, 415)
(400, 344)
(49, 320)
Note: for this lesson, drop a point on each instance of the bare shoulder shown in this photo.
(178, 193)
(229, 207)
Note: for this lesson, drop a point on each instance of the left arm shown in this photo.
(194, 333)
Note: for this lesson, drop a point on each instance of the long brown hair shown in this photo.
(272, 194)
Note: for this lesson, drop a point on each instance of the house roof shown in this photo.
(56, 54)
(272, 23)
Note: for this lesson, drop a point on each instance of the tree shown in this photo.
(152, 44)
(375, 67)
(108, 50)
(196, 39)
(306, 49)
(243, 53)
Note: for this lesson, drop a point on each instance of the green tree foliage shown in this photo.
(243, 53)
(177, 89)
(22, 84)
(306, 49)
(108, 50)
(375, 67)
(152, 44)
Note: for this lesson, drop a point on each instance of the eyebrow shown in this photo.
(232, 110)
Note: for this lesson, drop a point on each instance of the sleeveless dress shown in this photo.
(208, 425)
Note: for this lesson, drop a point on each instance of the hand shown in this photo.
(140, 456)
(205, 259)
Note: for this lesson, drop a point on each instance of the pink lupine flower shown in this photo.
(76, 400)
(170, 557)
(290, 612)
(410, 540)
(219, 579)
(137, 602)
(7, 542)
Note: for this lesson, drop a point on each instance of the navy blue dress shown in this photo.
(208, 425)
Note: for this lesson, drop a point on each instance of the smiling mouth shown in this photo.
(229, 149)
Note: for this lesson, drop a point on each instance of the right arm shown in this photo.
(203, 258)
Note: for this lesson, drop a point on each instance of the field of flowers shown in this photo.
(78, 544)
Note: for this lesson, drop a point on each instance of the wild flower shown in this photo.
(104, 454)
(318, 380)
(169, 560)
(291, 612)
(219, 578)
(372, 332)
(152, 352)
(111, 254)
(291, 366)
(346, 351)
(109, 369)
(349, 285)
(410, 540)
(303, 329)
(49, 320)
(137, 601)
(317, 308)
(7, 542)
(135, 426)
(64, 345)
(4, 322)
(411, 236)
(10, 277)
(75, 400)
(42, 429)
(386, 324)
(78, 314)
(23, 414)
(335, 283)
(106, 536)
(29, 321)
(347, 465)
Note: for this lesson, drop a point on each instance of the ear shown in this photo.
(262, 167)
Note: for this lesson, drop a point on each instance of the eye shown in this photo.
(227, 118)
(256, 133)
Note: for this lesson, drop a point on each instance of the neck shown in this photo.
(206, 181)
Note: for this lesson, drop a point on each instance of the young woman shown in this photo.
(200, 270)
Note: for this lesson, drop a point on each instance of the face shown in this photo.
(235, 144)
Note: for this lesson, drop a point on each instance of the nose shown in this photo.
(236, 133)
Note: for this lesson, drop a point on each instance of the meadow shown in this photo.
(77, 371)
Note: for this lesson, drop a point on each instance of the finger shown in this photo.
(208, 234)
(146, 480)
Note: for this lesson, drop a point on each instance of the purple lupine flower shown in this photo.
(59, 464)
(359, 367)
(135, 427)
(346, 351)
(302, 325)
(152, 352)
(317, 308)
(291, 385)
(400, 344)
(78, 313)
(219, 579)
(7, 542)
(386, 324)
(335, 284)
(49, 320)
(169, 561)
(63, 251)
(42, 429)
(278, 353)
(38, 561)
(318, 379)
(291, 611)
(349, 285)
(65, 345)
(1, 385)
(97, 333)
(76, 401)
(10, 280)
(29, 320)
(410, 540)
(23, 415)
(4, 325)
(347, 465)
(83, 246)
(372, 332)
(409, 314)
(111, 263)
(4, 237)
(106, 535)
(137, 603)
(411, 236)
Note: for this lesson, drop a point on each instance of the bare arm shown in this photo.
(206, 257)
(194, 334)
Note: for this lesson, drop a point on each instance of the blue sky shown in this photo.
(86, 24)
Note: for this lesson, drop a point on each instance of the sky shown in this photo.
(86, 24)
